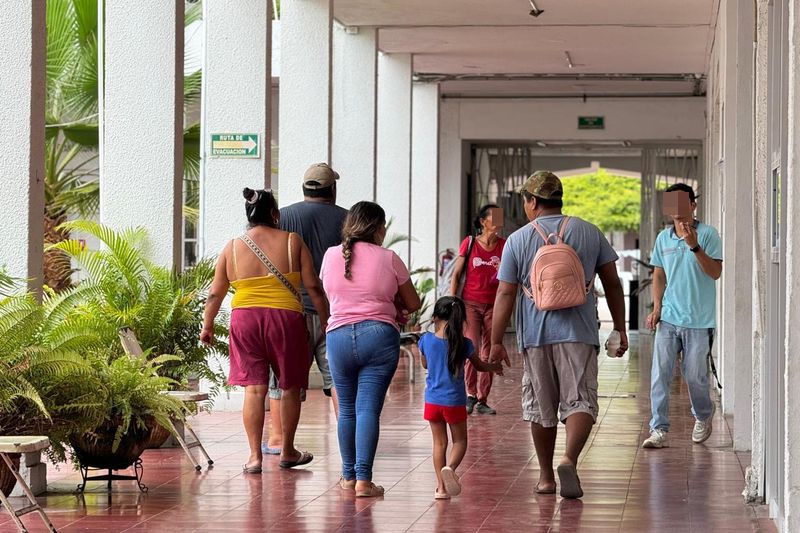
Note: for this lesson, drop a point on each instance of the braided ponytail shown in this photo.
(363, 223)
(347, 252)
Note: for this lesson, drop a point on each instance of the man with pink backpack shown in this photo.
(549, 266)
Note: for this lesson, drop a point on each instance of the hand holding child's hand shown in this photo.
(497, 368)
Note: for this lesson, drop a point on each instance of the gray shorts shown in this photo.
(559, 380)
(318, 352)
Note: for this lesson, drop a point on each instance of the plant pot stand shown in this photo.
(16, 445)
(138, 469)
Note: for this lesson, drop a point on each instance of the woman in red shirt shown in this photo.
(479, 260)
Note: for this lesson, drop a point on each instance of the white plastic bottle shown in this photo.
(613, 343)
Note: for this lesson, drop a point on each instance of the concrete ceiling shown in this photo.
(487, 37)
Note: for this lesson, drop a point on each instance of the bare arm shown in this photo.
(712, 267)
(409, 299)
(614, 295)
(459, 269)
(659, 284)
(483, 366)
(313, 285)
(616, 301)
(503, 305)
(423, 360)
(216, 295)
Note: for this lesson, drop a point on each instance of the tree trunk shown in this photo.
(57, 265)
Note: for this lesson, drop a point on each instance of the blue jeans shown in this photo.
(363, 358)
(695, 345)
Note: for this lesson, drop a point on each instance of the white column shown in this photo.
(355, 79)
(237, 80)
(305, 92)
(792, 399)
(141, 121)
(22, 71)
(727, 228)
(743, 230)
(452, 187)
(394, 144)
(760, 242)
(425, 175)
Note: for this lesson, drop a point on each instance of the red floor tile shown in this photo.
(685, 487)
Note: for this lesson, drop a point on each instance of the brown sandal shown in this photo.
(347, 484)
(372, 492)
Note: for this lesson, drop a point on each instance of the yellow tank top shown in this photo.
(266, 291)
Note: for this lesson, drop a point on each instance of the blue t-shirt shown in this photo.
(319, 224)
(690, 299)
(576, 324)
(441, 387)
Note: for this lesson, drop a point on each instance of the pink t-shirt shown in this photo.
(376, 274)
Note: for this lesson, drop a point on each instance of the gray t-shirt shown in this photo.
(319, 224)
(577, 324)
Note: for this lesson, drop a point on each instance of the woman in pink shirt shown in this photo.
(363, 282)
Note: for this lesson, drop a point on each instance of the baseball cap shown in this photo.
(543, 184)
(319, 176)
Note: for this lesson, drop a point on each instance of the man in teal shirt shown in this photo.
(687, 258)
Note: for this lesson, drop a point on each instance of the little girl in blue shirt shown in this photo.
(444, 354)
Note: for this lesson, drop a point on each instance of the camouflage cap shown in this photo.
(543, 184)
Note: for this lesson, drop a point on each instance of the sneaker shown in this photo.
(657, 439)
(471, 401)
(484, 409)
(702, 428)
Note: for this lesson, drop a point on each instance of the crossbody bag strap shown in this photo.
(466, 257)
(270, 266)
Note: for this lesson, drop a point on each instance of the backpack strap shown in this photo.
(540, 231)
(563, 229)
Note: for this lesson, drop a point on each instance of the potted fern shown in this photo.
(134, 406)
(46, 387)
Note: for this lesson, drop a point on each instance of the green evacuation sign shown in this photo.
(241, 145)
(591, 123)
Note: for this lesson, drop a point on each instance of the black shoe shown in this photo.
(484, 409)
(471, 401)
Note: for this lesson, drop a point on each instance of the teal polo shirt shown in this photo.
(690, 299)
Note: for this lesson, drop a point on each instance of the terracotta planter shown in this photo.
(158, 436)
(7, 479)
(94, 449)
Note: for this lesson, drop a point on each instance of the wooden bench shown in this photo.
(132, 347)
(13, 445)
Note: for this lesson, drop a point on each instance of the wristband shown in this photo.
(695, 249)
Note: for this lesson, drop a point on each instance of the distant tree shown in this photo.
(606, 200)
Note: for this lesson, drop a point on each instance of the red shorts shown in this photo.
(262, 338)
(445, 413)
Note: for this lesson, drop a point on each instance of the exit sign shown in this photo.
(239, 145)
(591, 123)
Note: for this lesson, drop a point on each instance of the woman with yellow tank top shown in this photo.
(265, 267)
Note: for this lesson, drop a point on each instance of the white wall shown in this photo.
(625, 119)
(424, 175)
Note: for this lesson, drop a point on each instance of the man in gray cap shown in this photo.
(318, 221)
(559, 347)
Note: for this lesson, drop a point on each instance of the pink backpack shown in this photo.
(557, 278)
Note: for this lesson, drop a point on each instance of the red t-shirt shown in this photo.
(482, 266)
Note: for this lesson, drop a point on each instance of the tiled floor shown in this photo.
(684, 488)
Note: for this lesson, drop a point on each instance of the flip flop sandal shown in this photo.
(373, 491)
(304, 459)
(265, 449)
(440, 495)
(251, 469)
(347, 484)
(570, 482)
(537, 490)
(451, 483)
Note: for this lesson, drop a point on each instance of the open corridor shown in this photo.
(684, 488)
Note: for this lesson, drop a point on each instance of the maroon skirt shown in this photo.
(262, 338)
